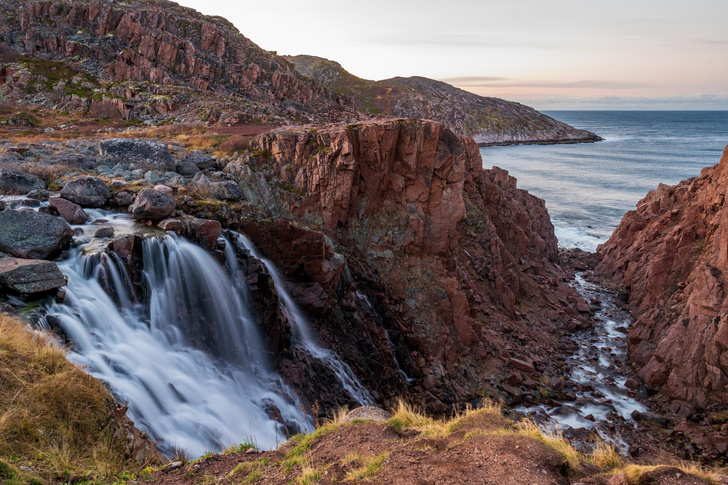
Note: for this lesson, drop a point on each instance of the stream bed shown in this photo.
(603, 404)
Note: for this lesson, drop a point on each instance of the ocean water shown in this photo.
(588, 187)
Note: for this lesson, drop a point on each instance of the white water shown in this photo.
(602, 351)
(191, 394)
(302, 331)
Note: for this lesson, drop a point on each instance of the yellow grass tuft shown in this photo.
(51, 412)
(406, 416)
(370, 467)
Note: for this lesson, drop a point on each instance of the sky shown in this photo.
(549, 54)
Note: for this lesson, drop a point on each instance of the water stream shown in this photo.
(601, 398)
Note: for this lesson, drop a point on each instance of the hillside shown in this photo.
(152, 61)
(490, 121)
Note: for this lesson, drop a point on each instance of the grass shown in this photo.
(48, 173)
(370, 467)
(250, 470)
(309, 476)
(633, 472)
(53, 415)
(405, 416)
(302, 443)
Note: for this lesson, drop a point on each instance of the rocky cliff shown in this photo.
(425, 263)
(150, 60)
(671, 255)
(490, 121)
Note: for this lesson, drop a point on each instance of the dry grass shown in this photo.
(633, 472)
(51, 412)
(370, 466)
(406, 416)
(48, 173)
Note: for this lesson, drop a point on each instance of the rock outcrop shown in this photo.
(410, 256)
(671, 256)
(490, 121)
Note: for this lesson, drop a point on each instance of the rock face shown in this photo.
(419, 260)
(152, 205)
(671, 255)
(13, 182)
(87, 192)
(33, 235)
(490, 121)
(29, 276)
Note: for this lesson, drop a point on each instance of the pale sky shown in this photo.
(565, 54)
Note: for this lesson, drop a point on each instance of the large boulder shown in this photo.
(87, 192)
(13, 182)
(154, 154)
(72, 213)
(152, 205)
(29, 276)
(33, 235)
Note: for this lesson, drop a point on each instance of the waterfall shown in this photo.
(188, 361)
(303, 333)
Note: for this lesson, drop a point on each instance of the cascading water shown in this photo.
(303, 333)
(189, 364)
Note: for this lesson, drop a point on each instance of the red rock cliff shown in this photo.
(671, 254)
(194, 62)
(459, 262)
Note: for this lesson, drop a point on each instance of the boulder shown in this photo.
(123, 198)
(38, 194)
(33, 235)
(186, 168)
(152, 205)
(14, 182)
(87, 192)
(367, 412)
(29, 276)
(227, 190)
(72, 213)
(200, 159)
(104, 232)
(127, 151)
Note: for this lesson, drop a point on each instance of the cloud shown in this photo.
(704, 101)
(499, 82)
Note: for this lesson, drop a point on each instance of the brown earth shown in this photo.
(480, 448)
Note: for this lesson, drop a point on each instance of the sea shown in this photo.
(588, 187)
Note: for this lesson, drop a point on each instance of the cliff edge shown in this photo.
(671, 255)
